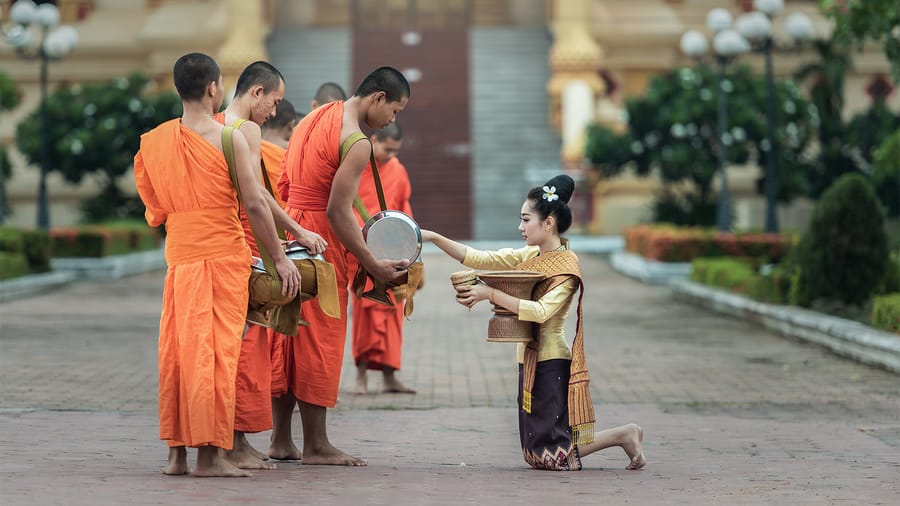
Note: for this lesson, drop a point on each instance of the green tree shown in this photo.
(9, 99)
(95, 129)
(844, 146)
(827, 76)
(886, 173)
(858, 21)
(672, 130)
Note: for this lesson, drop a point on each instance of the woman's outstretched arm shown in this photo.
(456, 250)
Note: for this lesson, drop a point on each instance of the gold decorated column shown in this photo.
(575, 63)
(574, 87)
(245, 41)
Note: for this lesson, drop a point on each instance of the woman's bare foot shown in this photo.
(330, 456)
(211, 463)
(634, 446)
(177, 465)
(287, 451)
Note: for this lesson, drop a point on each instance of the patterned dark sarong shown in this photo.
(545, 433)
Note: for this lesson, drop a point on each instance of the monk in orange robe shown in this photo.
(286, 450)
(276, 133)
(320, 188)
(377, 329)
(259, 90)
(184, 182)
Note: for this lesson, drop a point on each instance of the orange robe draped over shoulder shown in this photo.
(253, 397)
(184, 182)
(312, 359)
(377, 329)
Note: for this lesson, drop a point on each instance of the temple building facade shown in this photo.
(502, 90)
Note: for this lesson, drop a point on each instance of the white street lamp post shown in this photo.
(727, 44)
(53, 45)
(756, 27)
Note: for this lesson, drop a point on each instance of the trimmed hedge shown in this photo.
(665, 243)
(11, 240)
(100, 241)
(890, 282)
(740, 276)
(886, 313)
(12, 265)
(33, 245)
(38, 250)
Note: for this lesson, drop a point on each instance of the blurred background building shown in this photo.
(502, 90)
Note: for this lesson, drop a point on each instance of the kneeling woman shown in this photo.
(556, 416)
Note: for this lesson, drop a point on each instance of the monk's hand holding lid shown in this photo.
(388, 270)
(290, 276)
(312, 241)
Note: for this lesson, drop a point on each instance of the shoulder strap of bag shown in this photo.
(357, 202)
(228, 149)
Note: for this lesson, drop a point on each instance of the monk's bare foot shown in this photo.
(243, 446)
(177, 465)
(362, 387)
(392, 384)
(284, 451)
(362, 379)
(258, 454)
(634, 446)
(246, 460)
(211, 463)
(330, 456)
(395, 387)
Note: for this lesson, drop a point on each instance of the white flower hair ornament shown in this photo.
(550, 193)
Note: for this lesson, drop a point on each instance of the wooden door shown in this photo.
(437, 145)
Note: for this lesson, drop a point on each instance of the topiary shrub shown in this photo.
(843, 254)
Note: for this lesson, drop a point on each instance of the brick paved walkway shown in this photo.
(732, 414)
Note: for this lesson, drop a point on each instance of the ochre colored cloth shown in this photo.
(253, 400)
(184, 183)
(377, 329)
(311, 360)
(559, 267)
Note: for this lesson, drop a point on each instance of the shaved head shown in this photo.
(391, 131)
(285, 116)
(258, 73)
(193, 72)
(329, 92)
(386, 79)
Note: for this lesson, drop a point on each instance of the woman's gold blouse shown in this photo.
(549, 311)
